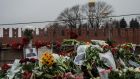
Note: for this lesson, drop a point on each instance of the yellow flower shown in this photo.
(47, 59)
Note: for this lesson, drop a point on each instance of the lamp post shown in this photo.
(109, 28)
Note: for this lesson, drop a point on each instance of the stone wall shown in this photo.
(9, 55)
(58, 34)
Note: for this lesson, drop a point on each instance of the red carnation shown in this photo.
(106, 47)
(113, 50)
(62, 53)
(38, 44)
(25, 40)
(110, 68)
(27, 75)
(43, 43)
(126, 47)
(49, 46)
(33, 60)
(26, 59)
(5, 67)
(58, 44)
(113, 45)
(22, 61)
(20, 46)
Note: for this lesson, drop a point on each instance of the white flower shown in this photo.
(98, 47)
(134, 46)
(131, 69)
(56, 56)
(120, 72)
(99, 42)
(137, 69)
(103, 43)
(116, 70)
(66, 57)
(124, 70)
(35, 71)
(139, 55)
(120, 50)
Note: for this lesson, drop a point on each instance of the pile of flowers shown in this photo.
(126, 73)
(96, 60)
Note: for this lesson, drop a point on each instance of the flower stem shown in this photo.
(90, 74)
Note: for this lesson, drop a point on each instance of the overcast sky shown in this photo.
(14, 11)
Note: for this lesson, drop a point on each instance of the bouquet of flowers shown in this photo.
(125, 52)
(70, 42)
(56, 66)
(3, 71)
(126, 73)
(26, 68)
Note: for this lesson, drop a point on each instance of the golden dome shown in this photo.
(91, 1)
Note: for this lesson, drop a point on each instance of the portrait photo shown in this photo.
(31, 53)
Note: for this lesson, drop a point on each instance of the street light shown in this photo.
(110, 23)
(105, 16)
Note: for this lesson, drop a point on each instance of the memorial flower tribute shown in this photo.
(93, 60)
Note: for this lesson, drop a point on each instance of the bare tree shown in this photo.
(99, 11)
(71, 16)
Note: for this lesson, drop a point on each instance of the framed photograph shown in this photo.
(31, 53)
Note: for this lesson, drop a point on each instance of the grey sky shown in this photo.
(12, 11)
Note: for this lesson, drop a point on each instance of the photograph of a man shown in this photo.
(31, 53)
